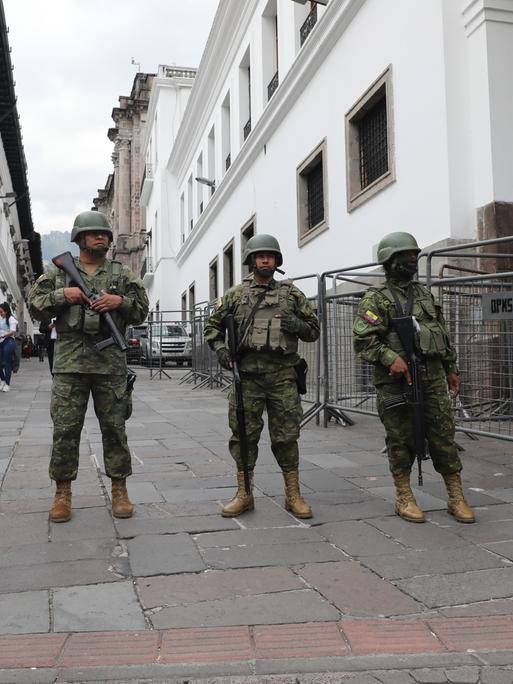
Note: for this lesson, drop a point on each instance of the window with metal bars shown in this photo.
(315, 194)
(372, 138)
(370, 164)
(311, 188)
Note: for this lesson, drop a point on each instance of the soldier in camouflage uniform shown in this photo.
(79, 368)
(376, 342)
(267, 353)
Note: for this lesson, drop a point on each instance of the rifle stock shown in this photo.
(241, 417)
(67, 264)
(405, 329)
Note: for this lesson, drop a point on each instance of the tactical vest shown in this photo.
(77, 318)
(432, 339)
(264, 332)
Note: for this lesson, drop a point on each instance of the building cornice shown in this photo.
(232, 19)
(162, 83)
(330, 28)
(477, 12)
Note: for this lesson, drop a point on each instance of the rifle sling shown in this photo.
(409, 301)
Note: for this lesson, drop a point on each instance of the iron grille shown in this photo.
(372, 135)
(310, 22)
(228, 162)
(247, 128)
(315, 193)
(272, 86)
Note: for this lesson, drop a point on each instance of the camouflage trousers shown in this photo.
(277, 393)
(438, 426)
(68, 406)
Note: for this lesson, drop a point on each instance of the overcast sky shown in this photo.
(72, 61)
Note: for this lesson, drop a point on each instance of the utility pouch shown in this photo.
(301, 369)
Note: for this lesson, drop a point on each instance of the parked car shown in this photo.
(166, 341)
(134, 334)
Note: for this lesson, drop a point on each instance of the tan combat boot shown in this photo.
(405, 504)
(456, 505)
(122, 507)
(294, 502)
(241, 501)
(61, 507)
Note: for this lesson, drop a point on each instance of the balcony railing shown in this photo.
(228, 162)
(247, 128)
(272, 86)
(147, 267)
(310, 22)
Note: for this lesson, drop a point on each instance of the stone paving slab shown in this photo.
(164, 555)
(24, 613)
(269, 554)
(426, 536)
(270, 608)
(356, 591)
(459, 588)
(68, 573)
(279, 535)
(34, 554)
(87, 523)
(412, 562)
(358, 538)
(104, 606)
(192, 524)
(16, 530)
(177, 590)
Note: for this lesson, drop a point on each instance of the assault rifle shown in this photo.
(241, 417)
(405, 327)
(66, 263)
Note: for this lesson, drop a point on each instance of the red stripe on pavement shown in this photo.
(390, 636)
(30, 650)
(310, 640)
(476, 633)
(206, 645)
(110, 648)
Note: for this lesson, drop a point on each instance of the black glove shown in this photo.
(224, 358)
(290, 323)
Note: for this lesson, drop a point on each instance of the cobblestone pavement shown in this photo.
(179, 592)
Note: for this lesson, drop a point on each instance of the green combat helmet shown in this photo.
(262, 243)
(393, 243)
(90, 221)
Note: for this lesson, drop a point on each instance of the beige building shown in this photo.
(119, 199)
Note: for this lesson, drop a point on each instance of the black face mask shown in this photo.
(402, 268)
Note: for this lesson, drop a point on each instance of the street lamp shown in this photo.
(206, 181)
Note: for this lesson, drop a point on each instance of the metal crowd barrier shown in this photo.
(340, 384)
(168, 340)
(478, 309)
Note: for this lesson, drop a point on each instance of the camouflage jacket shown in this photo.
(74, 349)
(264, 361)
(375, 340)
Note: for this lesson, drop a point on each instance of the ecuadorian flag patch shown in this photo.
(370, 317)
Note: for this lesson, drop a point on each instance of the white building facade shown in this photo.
(328, 126)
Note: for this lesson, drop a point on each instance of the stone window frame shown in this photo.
(382, 87)
(243, 241)
(304, 233)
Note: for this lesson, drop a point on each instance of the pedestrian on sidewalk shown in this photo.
(50, 335)
(376, 341)
(8, 326)
(81, 369)
(270, 317)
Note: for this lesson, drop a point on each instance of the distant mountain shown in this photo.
(56, 242)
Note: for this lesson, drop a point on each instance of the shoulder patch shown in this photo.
(370, 317)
